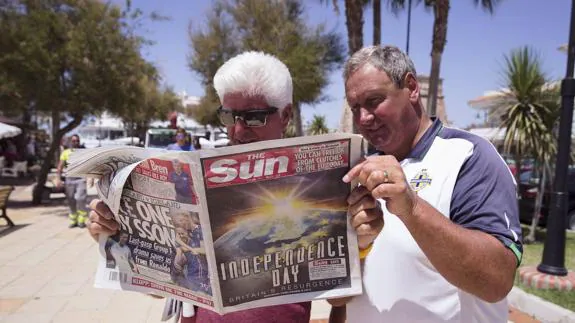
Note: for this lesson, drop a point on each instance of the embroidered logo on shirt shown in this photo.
(420, 181)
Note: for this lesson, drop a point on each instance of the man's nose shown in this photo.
(365, 117)
(239, 126)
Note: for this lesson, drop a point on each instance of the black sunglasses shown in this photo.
(251, 118)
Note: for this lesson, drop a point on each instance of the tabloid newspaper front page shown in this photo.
(230, 228)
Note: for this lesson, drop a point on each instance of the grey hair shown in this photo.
(389, 59)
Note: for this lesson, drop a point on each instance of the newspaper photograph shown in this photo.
(230, 228)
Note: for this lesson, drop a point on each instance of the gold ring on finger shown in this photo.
(385, 176)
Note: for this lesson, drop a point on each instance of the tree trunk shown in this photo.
(517, 157)
(57, 135)
(408, 27)
(354, 23)
(296, 112)
(376, 22)
(54, 155)
(441, 13)
(530, 238)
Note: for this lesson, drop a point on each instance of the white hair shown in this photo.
(256, 74)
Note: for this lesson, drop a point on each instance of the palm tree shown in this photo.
(376, 22)
(441, 13)
(353, 21)
(317, 126)
(529, 110)
(354, 24)
(290, 131)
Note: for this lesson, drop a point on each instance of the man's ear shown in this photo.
(412, 85)
(286, 115)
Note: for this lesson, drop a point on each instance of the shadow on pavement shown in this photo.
(5, 230)
(53, 201)
(16, 181)
(53, 212)
(28, 203)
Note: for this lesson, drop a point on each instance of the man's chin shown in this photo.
(379, 143)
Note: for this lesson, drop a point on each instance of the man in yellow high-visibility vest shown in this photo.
(75, 187)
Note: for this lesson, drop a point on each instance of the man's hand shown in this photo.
(338, 302)
(383, 178)
(366, 216)
(58, 182)
(101, 220)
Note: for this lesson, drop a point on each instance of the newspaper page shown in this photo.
(278, 225)
(230, 228)
(159, 248)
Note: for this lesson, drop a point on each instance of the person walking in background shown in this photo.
(182, 141)
(75, 186)
(196, 143)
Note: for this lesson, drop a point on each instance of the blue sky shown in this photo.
(471, 65)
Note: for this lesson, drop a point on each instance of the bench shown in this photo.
(5, 192)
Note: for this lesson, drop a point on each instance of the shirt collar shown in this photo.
(425, 142)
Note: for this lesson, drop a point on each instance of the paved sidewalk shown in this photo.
(47, 270)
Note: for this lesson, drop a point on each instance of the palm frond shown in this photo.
(488, 5)
(528, 107)
(396, 6)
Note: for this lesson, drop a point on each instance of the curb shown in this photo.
(530, 276)
(538, 307)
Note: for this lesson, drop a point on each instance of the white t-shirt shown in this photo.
(463, 177)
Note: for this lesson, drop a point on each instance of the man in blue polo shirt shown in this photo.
(452, 240)
(182, 183)
(191, 264)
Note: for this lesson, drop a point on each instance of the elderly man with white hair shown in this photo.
(256, 94)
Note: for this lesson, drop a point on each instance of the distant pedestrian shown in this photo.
(182, 141)
(76, 187)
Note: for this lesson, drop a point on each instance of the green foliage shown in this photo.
(205, 112)
(290, 132)
(71, 56)
(275, 27)
(69, 59)
(149, 102)
(528, 107)
(317, 126)
(212, 45)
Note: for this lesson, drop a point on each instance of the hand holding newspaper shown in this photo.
(231, 228)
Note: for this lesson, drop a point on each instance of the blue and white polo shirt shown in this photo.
(464, 177)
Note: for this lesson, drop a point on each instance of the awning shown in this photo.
(8, 131)
(491, 134)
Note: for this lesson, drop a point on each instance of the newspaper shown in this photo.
(229, 228)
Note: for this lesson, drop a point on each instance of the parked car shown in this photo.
(527, 164)
(528, 188)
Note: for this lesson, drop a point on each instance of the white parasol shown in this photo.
(8, 131)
